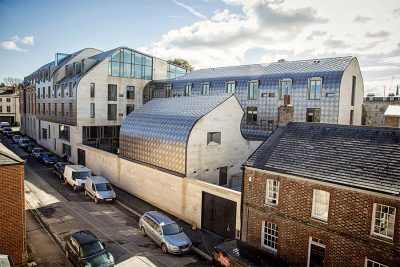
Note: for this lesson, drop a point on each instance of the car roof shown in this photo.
(84, 237)
(78, 168)
(159, 217)
(38, 148)
(98, 179)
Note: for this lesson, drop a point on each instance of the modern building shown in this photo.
(328, 90)
(325, 195)
(12, 207)
(9, 106)
(392, 116)
(374, 108)
(83, 97)
(183, 155)
(197, 137)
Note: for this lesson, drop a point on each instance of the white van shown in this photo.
(76, 175)
(99, 189)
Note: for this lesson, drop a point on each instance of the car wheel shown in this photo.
(65, 181)
(96, 200)
(164, 248)
(143, 231)
(66, 254)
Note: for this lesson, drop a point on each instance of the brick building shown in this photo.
(325, 195)
(392, 116)
(12, 207)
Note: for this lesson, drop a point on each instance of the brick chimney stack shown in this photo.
(286, 111)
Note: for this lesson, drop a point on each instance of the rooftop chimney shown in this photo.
(281, 60)
(286, 111)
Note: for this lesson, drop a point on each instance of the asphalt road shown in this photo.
(63, 211)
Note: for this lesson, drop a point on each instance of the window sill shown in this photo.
(319, 220)
(382, 239)
(270, 250)
(270, 205)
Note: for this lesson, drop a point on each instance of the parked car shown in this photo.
(236, 253)
(165, 232)
(16, 138)
(6, 131)
(37, 151)
(99, 189)
(47, 158)
(30, 147)
(58, 168)
(84, 249)
(76, 175)
(4, 124)
(23, 142)
(6, 261)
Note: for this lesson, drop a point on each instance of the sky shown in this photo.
(208, 33)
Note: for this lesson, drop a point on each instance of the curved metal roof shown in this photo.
(268, 75)
(157, 132)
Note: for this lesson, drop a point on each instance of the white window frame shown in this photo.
(374, 263)
(314, 204)
(373, 233)
(269, 200)
(276, 229)
(319, 243)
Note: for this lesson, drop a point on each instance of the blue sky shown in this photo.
(209, 33)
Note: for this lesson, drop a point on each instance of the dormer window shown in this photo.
(230, 87)
(285, 87)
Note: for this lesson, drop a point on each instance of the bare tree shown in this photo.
(11, 81)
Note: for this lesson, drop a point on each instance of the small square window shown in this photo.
(271, 95)
(330, 94)
(214, 137)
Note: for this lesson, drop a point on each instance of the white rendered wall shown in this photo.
(181, 197)
(353, 69)
(203, 161)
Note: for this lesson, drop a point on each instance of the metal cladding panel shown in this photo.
(268, 75)
(157, 132)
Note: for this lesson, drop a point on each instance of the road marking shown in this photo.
(128, 209)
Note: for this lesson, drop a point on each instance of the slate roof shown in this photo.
(7, 157)
(268, 76)
(157, 132)
(393, 110)
(356, 156)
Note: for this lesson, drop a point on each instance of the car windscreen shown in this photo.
(99, 260)
(48, 155)
(81, 175)
(92, 248)
(103, 187)
(24, 141)
(171, 229)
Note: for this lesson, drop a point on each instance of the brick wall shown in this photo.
(347, 233)
(12, 213)
(392, 121)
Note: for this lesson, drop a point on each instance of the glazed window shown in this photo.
(205, 88)
(230, 87)
(252, 90)
(285, 87)
(269, 238)
(320, 206)
(314, 88)
(383, 220)
(272, 192)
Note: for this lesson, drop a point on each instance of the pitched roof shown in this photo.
(257, 70)
(157, 132)
(7, 157)
(393, 110)
(356, 156)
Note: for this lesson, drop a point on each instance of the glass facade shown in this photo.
(174, 71)
(130, 64)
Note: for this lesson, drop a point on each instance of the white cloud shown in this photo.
(12, 44)
(290, 29)
(190, 9)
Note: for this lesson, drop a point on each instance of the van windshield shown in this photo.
(103, 187)
(171, 229)
(81, 175)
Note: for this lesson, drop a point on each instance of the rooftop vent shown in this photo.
(281, 60)
(317, 61)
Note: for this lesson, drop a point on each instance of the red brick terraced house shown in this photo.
(325, 195)
(12, 207)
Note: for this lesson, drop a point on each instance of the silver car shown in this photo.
(36, 152)
(165, 232)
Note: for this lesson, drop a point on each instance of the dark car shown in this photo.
(47, 158)
(30, 147)
(58, 169)
(236, 253)
(36, 151)
(83, 248)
